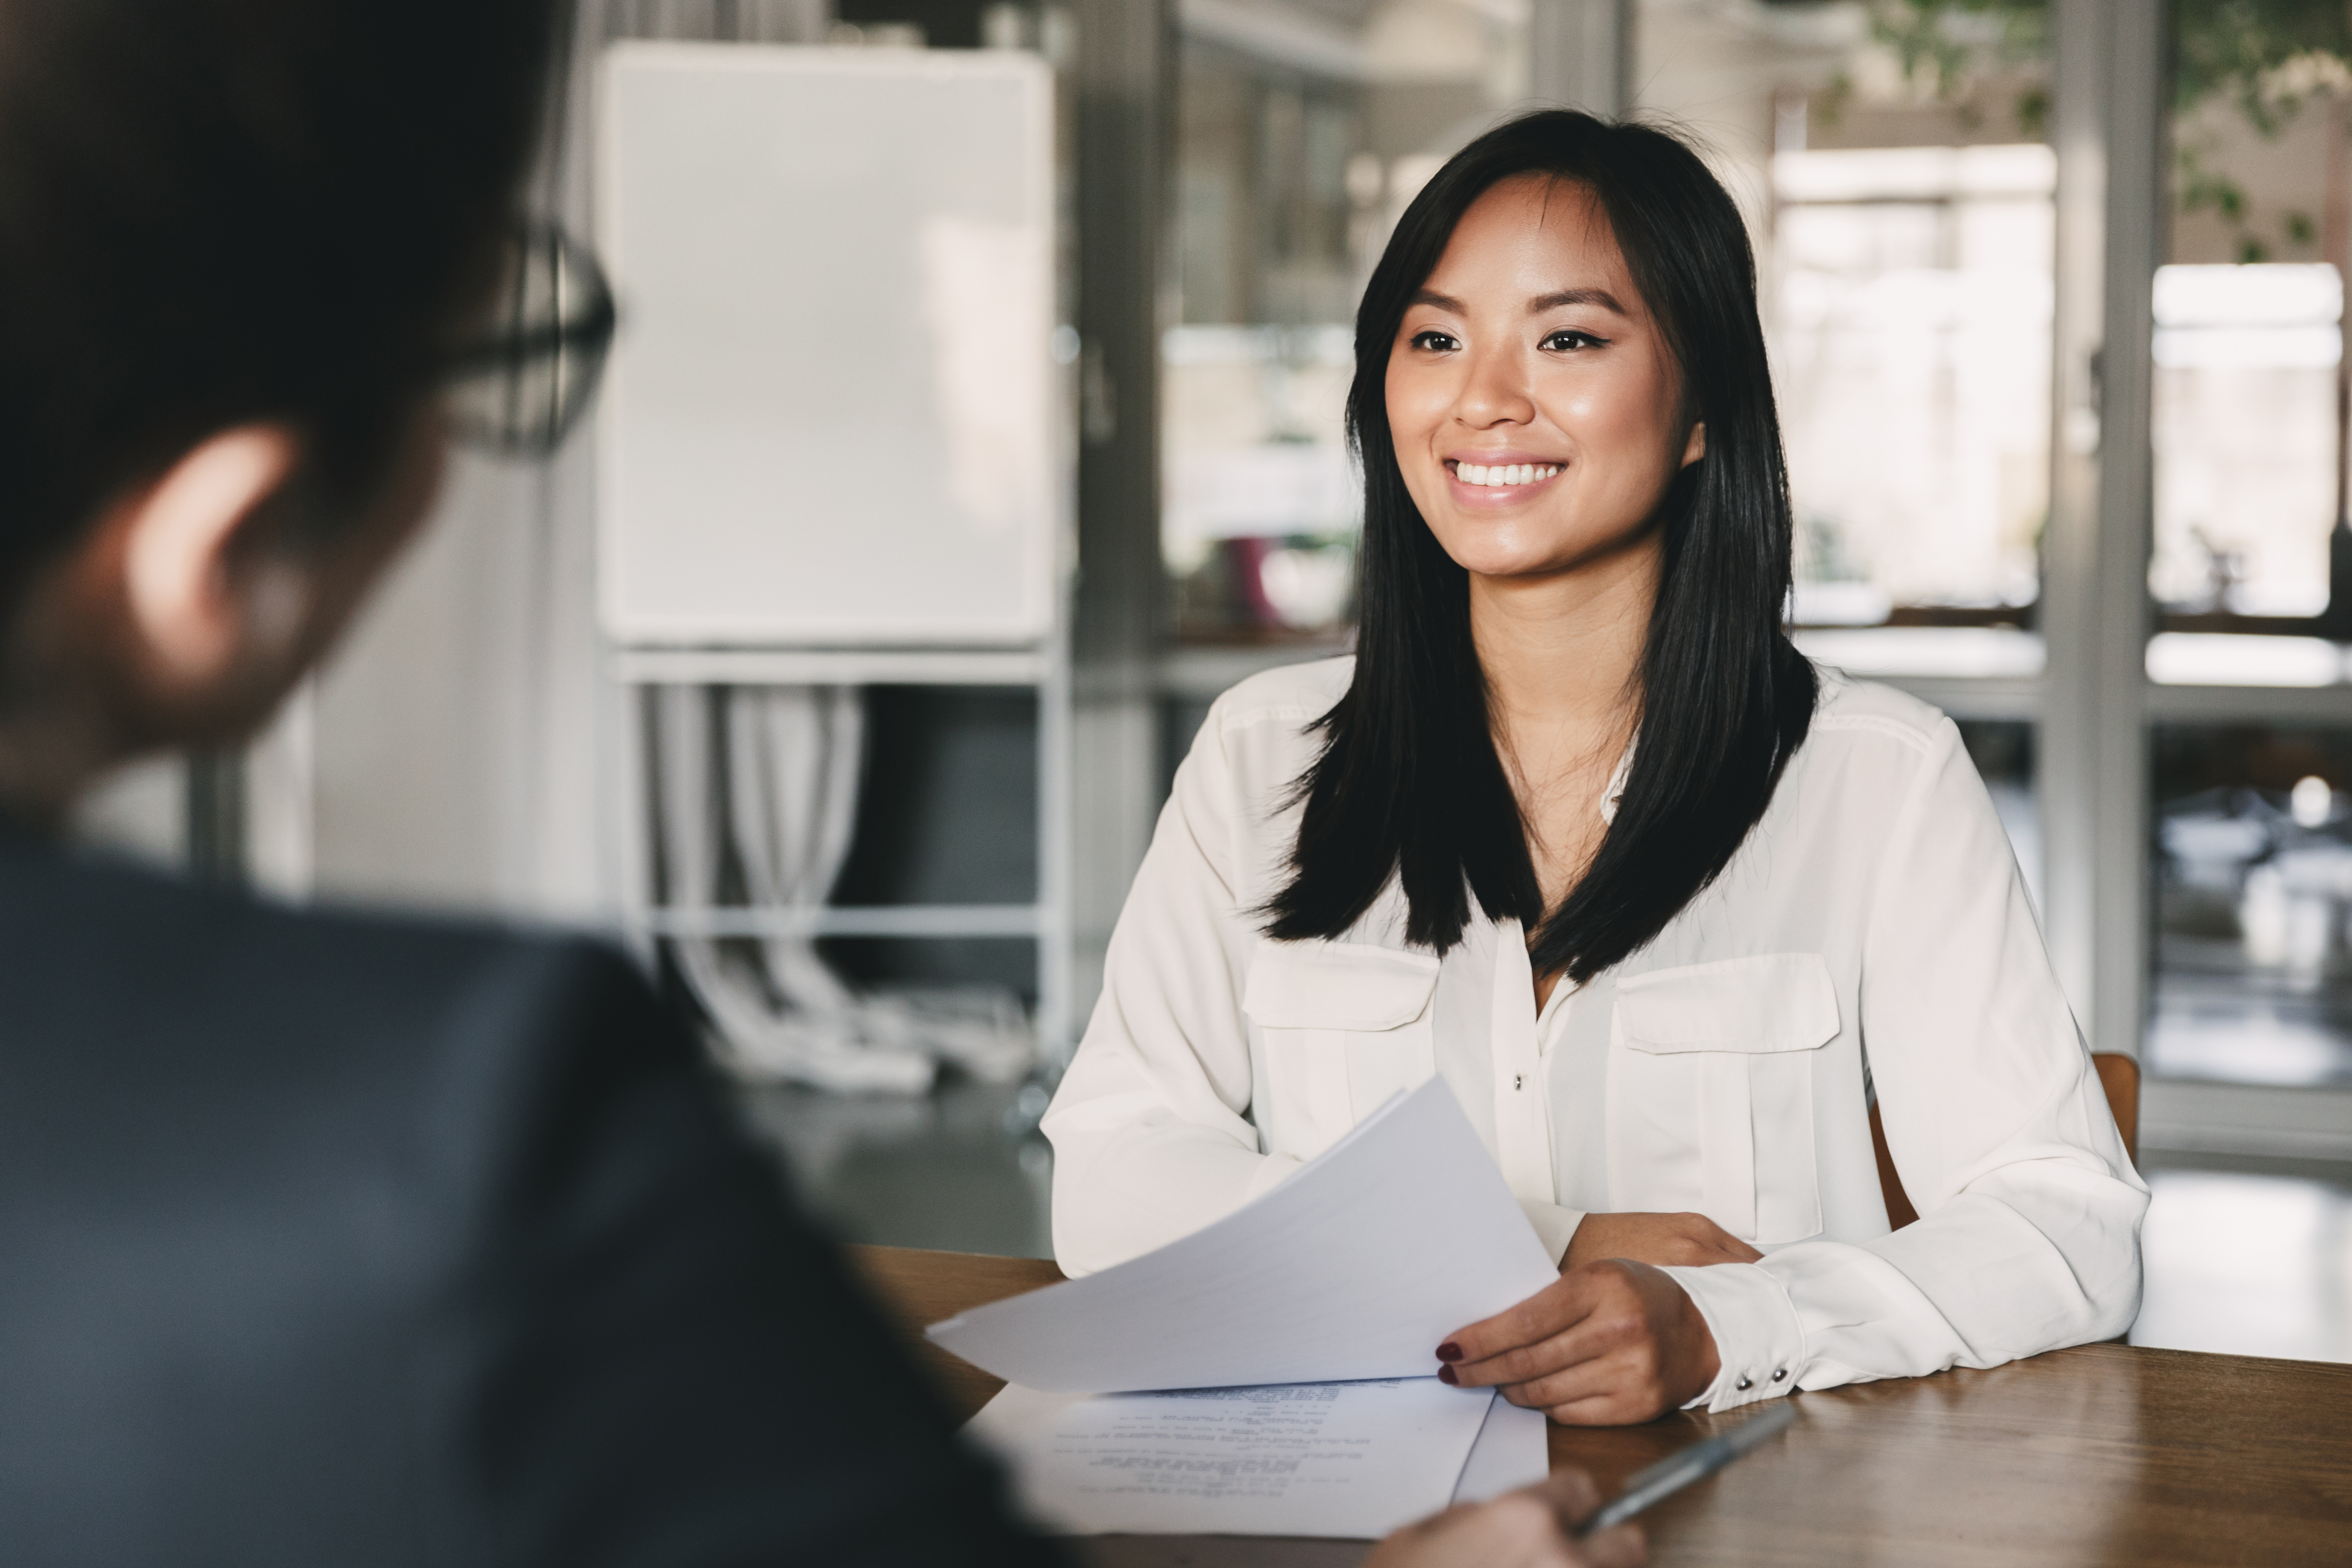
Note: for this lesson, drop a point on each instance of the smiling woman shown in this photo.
(1538, 416)
(1571, 293)
(1579, 832)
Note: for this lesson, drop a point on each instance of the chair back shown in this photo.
(2118, 1075)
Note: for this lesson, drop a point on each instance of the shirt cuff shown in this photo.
(1757, 1335)
(1271, 1171)
(1555, 1226)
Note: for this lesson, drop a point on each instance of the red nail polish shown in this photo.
(1449, 1351)
(1445, 1374)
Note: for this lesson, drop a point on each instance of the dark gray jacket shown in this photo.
(345, 1240)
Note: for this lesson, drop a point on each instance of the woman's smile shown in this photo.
(1499, 478)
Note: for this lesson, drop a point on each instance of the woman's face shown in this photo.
(1535, 408)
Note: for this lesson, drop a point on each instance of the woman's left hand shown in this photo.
(1609, 1344)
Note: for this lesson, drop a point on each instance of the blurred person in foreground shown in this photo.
(332, 1238)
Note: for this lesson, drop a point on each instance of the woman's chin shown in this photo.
(1513, 569)
(1505, 558)
(1501, 552)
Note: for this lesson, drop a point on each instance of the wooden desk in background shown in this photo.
(2100, 1455)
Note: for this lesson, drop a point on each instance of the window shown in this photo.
(2117, 564)
(1303, 129)
(1899, 183)
(2247, 356)
(1911, 320)
(2252, 976)
(2253, 904)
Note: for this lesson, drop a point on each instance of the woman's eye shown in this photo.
(1566, 339)
(1434, 342)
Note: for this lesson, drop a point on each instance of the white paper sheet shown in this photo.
(1350, 1460)
(1513, 1450)
(1357, 1267)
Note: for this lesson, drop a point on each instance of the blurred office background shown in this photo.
(2054, 289)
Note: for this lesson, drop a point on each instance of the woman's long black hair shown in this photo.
(1409, 782)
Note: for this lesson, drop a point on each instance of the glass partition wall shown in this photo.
(2251, 743)
(1901, 189)
(2054, 292)
(1302, 129)
(1901, 186)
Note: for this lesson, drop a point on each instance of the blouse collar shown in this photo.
(1616, 790)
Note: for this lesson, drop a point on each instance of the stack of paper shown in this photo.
(1302, 1330)
(1309, 1458)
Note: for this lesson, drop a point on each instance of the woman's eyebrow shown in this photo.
(1436, 301)
(1600, 297)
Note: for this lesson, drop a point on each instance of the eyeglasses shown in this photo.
(521, 389)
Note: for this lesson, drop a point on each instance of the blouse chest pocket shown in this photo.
(1345, 1025)
(1711, 1091)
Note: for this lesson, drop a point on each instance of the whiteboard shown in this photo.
(832, 416)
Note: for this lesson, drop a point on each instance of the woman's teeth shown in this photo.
(1504, 473)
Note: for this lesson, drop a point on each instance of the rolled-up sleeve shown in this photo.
(1150, 1135)
(2027, 1235)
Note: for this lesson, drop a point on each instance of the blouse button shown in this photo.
(1746, 1384)
(1778, 1375)
(1519, 1079)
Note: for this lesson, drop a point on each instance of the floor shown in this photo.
(2254, 939)
(2252, 1257)
(2244, 1256)
(962, 1170)
(2230, 1023)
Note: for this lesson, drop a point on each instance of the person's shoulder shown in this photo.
(1290, 695)
(473, 985)
(115, 940)
(1258, 737)
(423, 956)
(468, 962)
(313, 1045)
(1853, 717)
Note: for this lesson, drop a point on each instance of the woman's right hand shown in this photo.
(1518, 1529)
(1659, 1239)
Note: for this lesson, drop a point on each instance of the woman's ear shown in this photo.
(1695, 446)
(196, 614)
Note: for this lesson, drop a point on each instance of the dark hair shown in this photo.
(1409, 783)
(219, 211)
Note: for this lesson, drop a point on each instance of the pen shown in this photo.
(1695, 1463)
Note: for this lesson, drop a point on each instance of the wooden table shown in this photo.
(2100, 1455)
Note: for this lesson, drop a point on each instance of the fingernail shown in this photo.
(1445, 1374)
(1449, 1351)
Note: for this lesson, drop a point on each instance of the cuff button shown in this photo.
(1745, 1384)
(1778, 1375)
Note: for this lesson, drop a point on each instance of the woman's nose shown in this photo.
(1495, 391)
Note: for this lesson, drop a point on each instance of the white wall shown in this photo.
(456, 731)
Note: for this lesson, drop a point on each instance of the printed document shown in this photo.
(1513, 1450)
(1357, 1267)
(1326, 1458)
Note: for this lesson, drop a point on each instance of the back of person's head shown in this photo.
(219, 212)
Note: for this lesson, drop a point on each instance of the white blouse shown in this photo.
(1871, 935)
